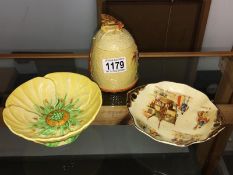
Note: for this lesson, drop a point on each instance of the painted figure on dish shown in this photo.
(167, 106)
(202, 119)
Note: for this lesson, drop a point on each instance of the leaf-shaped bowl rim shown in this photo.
(69, 134)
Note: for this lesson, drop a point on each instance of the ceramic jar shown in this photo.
(114, 57)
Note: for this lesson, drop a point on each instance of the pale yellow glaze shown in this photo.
(185, 130)
(20, 114)
(32, 92)
(109, 43)
(113, 40)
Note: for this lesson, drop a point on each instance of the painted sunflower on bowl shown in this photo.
(52, 110)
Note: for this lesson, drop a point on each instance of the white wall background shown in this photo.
(46, 24)
(70, 24)
(219, 32)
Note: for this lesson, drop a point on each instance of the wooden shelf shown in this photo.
(152, 55)
(185, 54)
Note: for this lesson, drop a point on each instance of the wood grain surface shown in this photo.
(152, 55)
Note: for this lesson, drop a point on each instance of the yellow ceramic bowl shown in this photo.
(53, 109)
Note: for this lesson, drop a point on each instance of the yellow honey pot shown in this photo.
(114, 57)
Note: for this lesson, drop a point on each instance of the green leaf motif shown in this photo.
(44, 128)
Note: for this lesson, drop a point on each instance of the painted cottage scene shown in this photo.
(167, 106)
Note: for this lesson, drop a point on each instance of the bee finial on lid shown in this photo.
(110, 23)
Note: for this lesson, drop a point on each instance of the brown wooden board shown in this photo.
(146, 21)
(200, 32)
(142, 55)
(182, 26)
(164, 26)
(209, 153)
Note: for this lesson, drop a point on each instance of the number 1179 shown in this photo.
(115, 65)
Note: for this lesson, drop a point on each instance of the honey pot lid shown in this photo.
(112, 36)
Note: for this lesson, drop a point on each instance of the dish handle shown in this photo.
(132, 95)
